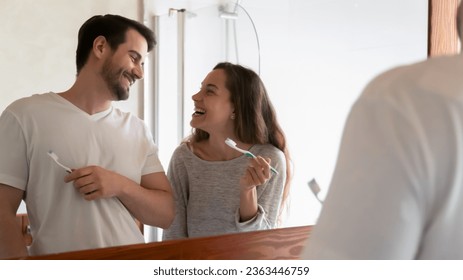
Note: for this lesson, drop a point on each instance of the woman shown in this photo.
(218, 189)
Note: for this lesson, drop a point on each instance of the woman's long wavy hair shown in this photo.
(255, 117)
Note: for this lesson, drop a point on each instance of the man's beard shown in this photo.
(112, 77)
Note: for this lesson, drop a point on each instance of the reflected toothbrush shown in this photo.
(232, 144)
(315, 188)
(55, 158)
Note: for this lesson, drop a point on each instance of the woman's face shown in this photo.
(213, 108)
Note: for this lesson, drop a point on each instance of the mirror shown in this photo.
(313, 56)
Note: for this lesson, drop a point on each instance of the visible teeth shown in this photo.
(199, 111)
(131, 81)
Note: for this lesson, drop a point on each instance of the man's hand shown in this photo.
(94, 182)
(150, 201)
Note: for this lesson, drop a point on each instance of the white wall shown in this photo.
(316, 58)
(39, 40)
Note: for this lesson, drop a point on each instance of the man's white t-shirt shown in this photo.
(397, 189)
(60, 218)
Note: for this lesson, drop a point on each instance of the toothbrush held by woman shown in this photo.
(232, 144)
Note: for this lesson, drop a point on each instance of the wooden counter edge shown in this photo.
(281, 243)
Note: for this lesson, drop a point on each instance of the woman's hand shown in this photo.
(256, 174)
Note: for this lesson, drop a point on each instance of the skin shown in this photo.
(213, 101)
(11, 242)
(107, 76)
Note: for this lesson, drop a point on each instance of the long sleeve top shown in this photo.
(207, 194)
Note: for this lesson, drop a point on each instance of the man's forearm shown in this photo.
(11, 242)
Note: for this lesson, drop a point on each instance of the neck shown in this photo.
(215, 149)
(90, 94)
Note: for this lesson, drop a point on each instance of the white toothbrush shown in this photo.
(232, 145)
(55, 158)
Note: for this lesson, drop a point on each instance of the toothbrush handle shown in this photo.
(251, 155)
(274, 171)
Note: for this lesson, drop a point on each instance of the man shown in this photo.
(116, 174)
(397, 189)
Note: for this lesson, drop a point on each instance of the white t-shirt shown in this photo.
(397, 189)
(60, 218)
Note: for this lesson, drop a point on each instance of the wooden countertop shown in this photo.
(283, 243)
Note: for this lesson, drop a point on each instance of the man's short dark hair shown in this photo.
(113, 28)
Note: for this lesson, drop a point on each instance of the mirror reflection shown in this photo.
(232, 173)
(313, 57)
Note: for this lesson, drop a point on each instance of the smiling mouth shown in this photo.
(199, 112)
(130, 79)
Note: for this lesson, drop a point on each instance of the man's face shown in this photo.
(113, 76)
(125, 65)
